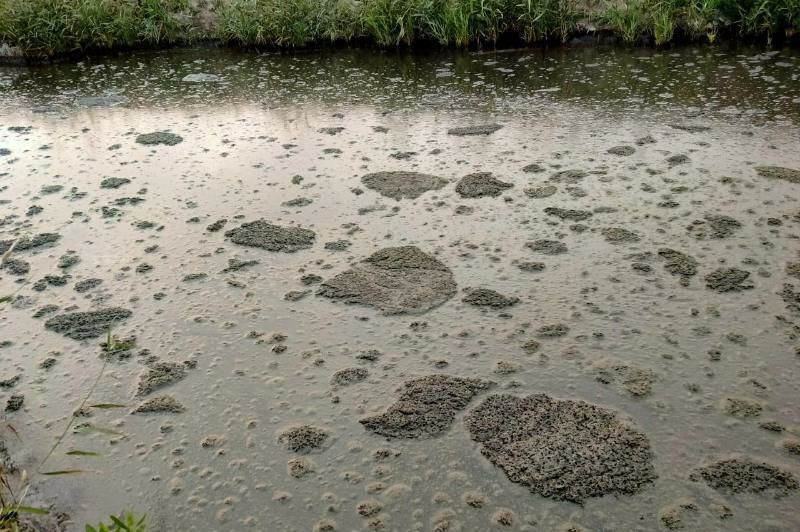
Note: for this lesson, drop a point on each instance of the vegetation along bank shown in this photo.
(48, 28)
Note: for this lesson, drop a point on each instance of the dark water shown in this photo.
(259, 122)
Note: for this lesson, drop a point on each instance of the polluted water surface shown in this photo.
(341, 290)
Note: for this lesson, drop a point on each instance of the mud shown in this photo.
(401, 280)
(427, 406)
(746, 475)
(262, 234)
(86, 325)
(466, 131)
(402, 185)
(564, 450)
(484, 297)
(729, 280)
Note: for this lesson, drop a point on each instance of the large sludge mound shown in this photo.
(401, 280)
(565, 450)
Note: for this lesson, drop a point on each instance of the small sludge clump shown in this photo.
(25, 243)
(547, 247)
(728, 280)
(679, 264)
(635, 381)
(564, 450)
(427, 406)
(484, 297)
(568, 214)
(744, 475)
(401, 280)
(159, 137)
(618, 235)
(714, 226)
(84, 325)
(163, 404)
(468, 131)
(401, 185)
(159, 375)
(303, 439)
(262, 234)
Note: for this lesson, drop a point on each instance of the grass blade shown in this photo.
(65, 472)
(88, 429)
(29, 510)
(105, 406)
(82, 453)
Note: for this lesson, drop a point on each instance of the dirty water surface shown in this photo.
(371, 291)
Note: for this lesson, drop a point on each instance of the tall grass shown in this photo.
(52, 27)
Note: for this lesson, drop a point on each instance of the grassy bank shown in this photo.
(43, 28)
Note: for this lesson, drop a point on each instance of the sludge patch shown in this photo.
(401, 280)
(470, 131)
(481, 184)
(564, 450)
(402, 185)
(778, 172)
(262, 234)
(745, 475)
(84, 325)
(303, 439)
(427, 406)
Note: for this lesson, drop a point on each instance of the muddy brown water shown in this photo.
(620, 331)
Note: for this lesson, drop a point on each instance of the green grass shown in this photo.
(128, 522)
(53, 27)
(44, 28)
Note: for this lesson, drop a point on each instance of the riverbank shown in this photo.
(43, 29)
